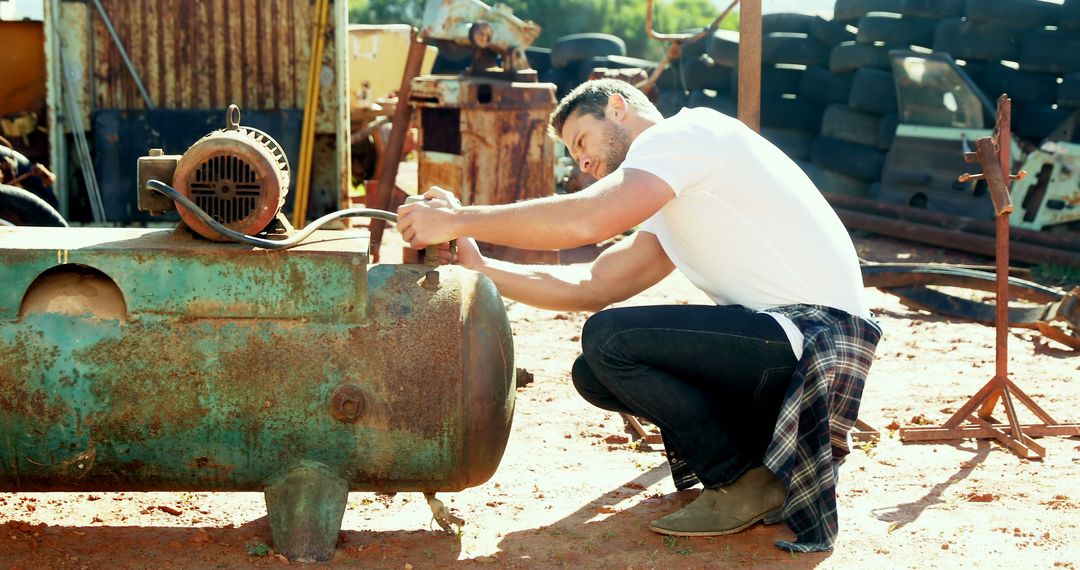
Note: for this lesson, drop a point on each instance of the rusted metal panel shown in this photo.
(1049, 195)
(207, 54)
(441, 169)
(487, 141)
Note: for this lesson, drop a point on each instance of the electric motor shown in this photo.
(239, 175)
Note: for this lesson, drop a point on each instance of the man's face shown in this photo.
(598, 145)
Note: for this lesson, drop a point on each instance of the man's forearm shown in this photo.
(554, 222)
(553, 287)
(610, 206)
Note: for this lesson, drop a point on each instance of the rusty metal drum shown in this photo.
(144, 360)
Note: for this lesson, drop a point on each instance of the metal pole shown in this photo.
(66, 85)
(57, 148)
(1003, 207)
(74, 118)
(750, 64)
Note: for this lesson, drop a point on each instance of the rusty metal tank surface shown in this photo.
(143, 360)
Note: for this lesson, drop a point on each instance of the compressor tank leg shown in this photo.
(306, 506)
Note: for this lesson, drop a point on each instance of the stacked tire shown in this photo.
(856, 132)
(1029, 49)
(788, 50)
(574, 57)
(707, 71)
(1026, 48)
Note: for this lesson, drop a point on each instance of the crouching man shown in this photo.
(755, 395)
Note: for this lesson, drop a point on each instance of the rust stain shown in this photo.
(207, 463)
(22, 361)
(131, 416)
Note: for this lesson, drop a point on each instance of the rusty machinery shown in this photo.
(238, 175)
(157, 360)
(483, 134)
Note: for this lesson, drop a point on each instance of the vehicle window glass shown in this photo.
(932, 92)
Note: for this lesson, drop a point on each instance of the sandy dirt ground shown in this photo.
(573, 492)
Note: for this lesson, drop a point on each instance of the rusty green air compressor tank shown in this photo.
(157, 360)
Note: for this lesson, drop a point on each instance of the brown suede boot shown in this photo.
(756, 496)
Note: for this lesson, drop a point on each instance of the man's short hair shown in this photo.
(592, 97)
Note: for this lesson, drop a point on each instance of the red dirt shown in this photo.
(572, 492)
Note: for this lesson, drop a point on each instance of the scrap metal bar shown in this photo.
(935, 235)
(944, 304)
(907, 274)
(394, 147)
(682, 37)
(674, 50)
(1063, 241)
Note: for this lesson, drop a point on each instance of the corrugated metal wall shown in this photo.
(193, 54)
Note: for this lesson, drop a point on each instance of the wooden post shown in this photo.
(750, 64)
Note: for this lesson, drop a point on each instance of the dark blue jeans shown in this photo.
(712, 378)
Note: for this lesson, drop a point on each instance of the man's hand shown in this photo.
(468, 254)
(431, 221)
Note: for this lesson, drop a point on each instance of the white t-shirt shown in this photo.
(747, 226)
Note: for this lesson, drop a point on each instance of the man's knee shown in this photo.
(584, 379)
(592, 389)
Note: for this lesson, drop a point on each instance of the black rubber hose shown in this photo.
(173, 194)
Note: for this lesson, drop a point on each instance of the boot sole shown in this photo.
(771, 517)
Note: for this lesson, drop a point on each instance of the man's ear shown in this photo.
(617, 106)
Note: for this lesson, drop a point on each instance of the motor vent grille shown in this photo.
(275, 149)
(226, 187)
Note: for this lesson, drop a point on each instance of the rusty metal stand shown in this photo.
(993, 154)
